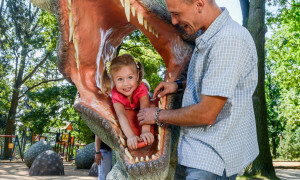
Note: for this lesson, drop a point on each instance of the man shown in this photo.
(218, 133)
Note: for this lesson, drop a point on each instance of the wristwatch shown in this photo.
(180, 86)
(99, 152)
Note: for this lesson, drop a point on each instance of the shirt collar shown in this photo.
(217, 24)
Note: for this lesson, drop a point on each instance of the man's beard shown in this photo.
(185, 36)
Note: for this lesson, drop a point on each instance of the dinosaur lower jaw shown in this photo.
(154, 157)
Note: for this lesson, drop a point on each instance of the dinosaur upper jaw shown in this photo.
(90, 32)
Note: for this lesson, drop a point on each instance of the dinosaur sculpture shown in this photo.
(90, 32)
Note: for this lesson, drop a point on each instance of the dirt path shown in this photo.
(287, 170)
(18, 170)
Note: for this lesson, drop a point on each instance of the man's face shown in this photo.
(183, 14)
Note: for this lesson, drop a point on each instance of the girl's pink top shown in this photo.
(137, 94)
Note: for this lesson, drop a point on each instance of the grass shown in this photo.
(256, 177)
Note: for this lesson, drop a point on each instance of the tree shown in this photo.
(24, 42)
(254, 21)
(283, 64)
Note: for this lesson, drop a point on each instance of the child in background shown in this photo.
(129, 92)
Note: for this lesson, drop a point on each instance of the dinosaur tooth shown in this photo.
(147, 158)
(140, 18)
(156, 35)
(137, 160)
(153, 156)
(128, 154)
(145, 24)
(170, 75)
(71, 25)
(69, 4)
(76, 52)
(122, 141)
(127, 9)
(150, 28)
(122, 2)
(115, 122)
(142, 159)
(159, 130)
(133, 11)
(158, 146)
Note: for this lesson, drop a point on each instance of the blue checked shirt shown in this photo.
(224, 63)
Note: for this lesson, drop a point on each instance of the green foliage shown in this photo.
(139, 46)
(290, 145)
(283, 72)
(49, 107)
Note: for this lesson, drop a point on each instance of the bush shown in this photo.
(290, 146)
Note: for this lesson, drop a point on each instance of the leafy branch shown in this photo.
(43, 82)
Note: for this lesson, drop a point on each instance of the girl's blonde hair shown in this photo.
(116, 64)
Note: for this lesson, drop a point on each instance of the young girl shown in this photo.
(129, 92)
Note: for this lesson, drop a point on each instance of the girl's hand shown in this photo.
(147, 137)
(132, 142)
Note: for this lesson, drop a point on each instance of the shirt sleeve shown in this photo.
(141, 91)
(225, 67)
(115, 96)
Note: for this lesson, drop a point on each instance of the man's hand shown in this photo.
(165, 88)
(147, 137)
(147, 116)
(98, 158)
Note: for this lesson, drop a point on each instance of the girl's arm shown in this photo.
(145, 103)
(125, 126)
(132, 139)
(146, 135)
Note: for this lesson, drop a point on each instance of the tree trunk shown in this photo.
(11, 121)
(257, 28)
(245, 11)
(14, 105)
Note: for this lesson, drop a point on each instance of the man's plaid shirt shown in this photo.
(224, 63)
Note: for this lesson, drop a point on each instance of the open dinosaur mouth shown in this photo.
(90, 32)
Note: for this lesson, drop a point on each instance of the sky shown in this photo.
(234, 8)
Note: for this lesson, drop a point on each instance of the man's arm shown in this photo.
(203, 113)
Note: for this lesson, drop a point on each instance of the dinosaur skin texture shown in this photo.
(90, 32)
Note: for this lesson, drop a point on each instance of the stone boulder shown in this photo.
(85, 157)
(94, 170)
(34, 151)
(47, 163)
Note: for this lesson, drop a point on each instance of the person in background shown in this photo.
(103, 157)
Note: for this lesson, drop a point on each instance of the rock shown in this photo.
(85, 157)
(94, 170)
(47, 163)
(34, 151)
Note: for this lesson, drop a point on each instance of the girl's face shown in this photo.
(126, 80)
